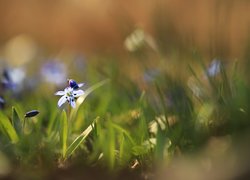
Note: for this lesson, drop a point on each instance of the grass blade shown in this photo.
(7, 128)
(16, 121)
(78, 140)
(81, 99)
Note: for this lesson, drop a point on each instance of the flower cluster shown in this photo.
(70, 93)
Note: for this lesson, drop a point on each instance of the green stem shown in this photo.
(23, 125)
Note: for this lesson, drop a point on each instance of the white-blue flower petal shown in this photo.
(214, 68)
(59, 93)
(81, 84)
(61, 101)
(73, 103)
(78, 93)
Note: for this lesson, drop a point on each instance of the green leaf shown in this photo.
(7, 128)
(122, 146)
(16, 121)
(125, 149)
(110, 149)
(53, 123)
(64, 132)
(160, 144)
(79, 139)
(161, 98)
(139, 150)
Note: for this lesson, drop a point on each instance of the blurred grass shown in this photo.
(124, 123)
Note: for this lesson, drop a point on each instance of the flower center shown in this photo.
(69, 94)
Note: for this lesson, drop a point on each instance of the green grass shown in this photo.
(110, 126)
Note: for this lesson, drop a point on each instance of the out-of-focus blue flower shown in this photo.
(80, 64)
(214, 68)
(54, 72)
(151, 75)
(70, 95)
(13, 79)
(2, 103)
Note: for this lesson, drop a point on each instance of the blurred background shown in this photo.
(217, 27)
(33, 30)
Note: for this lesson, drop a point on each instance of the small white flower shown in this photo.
(70, 95)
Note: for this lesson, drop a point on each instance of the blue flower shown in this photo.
(214, 68)
(151, 75)
(54, 72)
(6, 80)
(13, 79)
(2, 102)
(70, 95)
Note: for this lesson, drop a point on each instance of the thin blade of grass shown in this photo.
(81, 99)
(79, 139)
(111, 146)
(125, 132)
(226, 83)
(161, 98)
(192, 71)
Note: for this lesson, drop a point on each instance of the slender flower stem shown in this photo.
(23, 125)
(68, 111)
(69, 117)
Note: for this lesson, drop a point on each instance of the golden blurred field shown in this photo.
(90, 26)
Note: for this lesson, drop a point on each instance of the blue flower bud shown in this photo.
(31, 113)
(73, 84)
